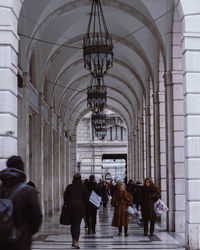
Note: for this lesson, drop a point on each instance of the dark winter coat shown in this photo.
(104, 193)
(92, 186)
(28, 216)
(149, 195)
(120, 202)
(76, 198)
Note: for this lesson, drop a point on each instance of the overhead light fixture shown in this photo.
(97, 95)
(97, 45)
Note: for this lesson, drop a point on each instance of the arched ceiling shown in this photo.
(52, 30)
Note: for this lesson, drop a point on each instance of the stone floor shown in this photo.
(53, 236)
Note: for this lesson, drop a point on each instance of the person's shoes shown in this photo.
(89, 231)
(76, 246)
(126, 234)
(152, 234)
(93, 232)
(73, 243)
(119, 234)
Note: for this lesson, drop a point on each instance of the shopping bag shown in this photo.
(64, 216)
(132, 210)
(160, 208)
(95, 199)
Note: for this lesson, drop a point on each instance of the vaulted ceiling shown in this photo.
(53, 30)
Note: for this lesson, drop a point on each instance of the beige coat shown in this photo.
(120, 202)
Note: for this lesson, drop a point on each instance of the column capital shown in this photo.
(155, 96)
(168, 78)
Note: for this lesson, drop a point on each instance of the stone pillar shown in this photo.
(141, 173)
(191, 80)
(170, 150)
(73, 162)
(134, 154)
(9, 13)
(39, 157)
(156, 123)
(68, 160)
(148, 139)
(163, 170)
(178, 103)
(23, 124)
(152, 131)
(50, 166)
(57, 167)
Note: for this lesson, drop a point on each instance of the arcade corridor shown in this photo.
(53, 236)
(151, 84)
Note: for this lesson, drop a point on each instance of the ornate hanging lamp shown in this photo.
(97, 45)
(97, 94)
(99, 124)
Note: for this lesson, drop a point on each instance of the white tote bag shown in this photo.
(95, 199)
(132, 210)
(160, 208)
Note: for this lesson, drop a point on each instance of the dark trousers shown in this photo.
(152, 226)
(91, 219)
(125, 229)
(75, 228)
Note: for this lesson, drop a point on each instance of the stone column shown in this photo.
(170, 150)
(73, 162)
(191, 80)
(23, 124)
(178, 100)
(152, 131)
(39, 147)
(156, 123)
(50, 166)
(148, 139)
(57, 167)
(134, 154)
(9, 13)
(129, 158)
(163, 170)
(141, 174)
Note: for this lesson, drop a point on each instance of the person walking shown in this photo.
(76, 198)
(92, 209)
(104, 193)
(149, 195)
(27, 213)
(120, 201)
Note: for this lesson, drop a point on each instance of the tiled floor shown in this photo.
(53, 236)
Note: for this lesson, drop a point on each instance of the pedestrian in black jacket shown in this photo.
(27, 212)
(149, 195)
(76, 198)
(92, 209)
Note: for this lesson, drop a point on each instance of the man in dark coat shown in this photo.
(27, 212)
(149, 195)
(92, 209)
(76, 198)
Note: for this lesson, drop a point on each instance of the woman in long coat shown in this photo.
(76, 199)
(149, 195)
(120, 201)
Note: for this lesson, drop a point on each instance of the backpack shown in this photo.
(8, 231)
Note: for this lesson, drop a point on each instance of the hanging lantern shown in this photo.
(97, 44)
(99, 124)
(97, 95)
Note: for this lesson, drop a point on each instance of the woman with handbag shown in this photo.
(120, 201)
(149, 195)
(75, 200)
